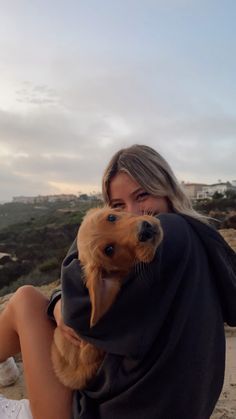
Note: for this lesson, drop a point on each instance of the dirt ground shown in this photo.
(226, 406)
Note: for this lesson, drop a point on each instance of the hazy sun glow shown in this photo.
(72, 188)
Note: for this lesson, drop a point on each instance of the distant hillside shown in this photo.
(14, 212)
(37, 238)
(38, 244)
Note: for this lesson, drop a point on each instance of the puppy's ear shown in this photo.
(102, 292)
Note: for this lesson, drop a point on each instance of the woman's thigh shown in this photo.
(26, 313)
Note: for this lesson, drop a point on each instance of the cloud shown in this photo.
(120, 75)
(38, 95)
(45, 150)
(48, 150)
(11, 184)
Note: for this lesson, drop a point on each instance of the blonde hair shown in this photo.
(151, 171)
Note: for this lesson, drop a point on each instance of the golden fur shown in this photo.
(109, 242)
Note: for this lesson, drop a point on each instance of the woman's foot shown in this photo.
(9, 372)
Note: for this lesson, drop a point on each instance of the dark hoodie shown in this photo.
(164, 335)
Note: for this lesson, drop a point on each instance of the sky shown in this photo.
(80, 79)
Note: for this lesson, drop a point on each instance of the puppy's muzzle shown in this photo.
(146, 231)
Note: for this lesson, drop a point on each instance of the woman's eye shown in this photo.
(109, 250)
(142, 196)
(118, 205)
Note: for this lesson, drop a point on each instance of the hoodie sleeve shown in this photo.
(222, 261)
(56, 295)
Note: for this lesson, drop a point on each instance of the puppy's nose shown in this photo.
(146, 231)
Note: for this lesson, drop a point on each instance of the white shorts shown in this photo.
(14, 409)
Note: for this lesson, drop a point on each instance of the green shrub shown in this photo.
(49, 265)
(36, 278)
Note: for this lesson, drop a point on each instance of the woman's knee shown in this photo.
(27, 300)
(28, 294)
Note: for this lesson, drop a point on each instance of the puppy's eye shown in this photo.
(109, 250)
(111, 218)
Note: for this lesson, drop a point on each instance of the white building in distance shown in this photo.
(192, 189)
(203, 191)
(44, 198)
(221, 188)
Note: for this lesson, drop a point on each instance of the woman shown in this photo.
(164, 335)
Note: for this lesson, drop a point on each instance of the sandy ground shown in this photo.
(226, 406)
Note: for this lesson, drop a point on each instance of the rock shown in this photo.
(224, 413)
(229, 222)
(4, 300)
(5, 259)
(229, 235)
(223, 219)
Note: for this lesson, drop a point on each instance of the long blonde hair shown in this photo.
(151, 171)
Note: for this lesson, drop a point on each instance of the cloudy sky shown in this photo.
(80, 79)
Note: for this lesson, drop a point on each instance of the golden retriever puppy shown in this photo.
(110, 242)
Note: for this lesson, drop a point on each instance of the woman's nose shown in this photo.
(133, 207)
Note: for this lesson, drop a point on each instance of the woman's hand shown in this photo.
(67, 331)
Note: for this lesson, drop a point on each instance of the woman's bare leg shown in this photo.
(24, 327)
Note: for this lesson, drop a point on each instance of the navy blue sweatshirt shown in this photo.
(164, 335)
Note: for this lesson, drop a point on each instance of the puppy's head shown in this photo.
(110, 242)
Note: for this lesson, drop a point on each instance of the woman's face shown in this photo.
(127, 194)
